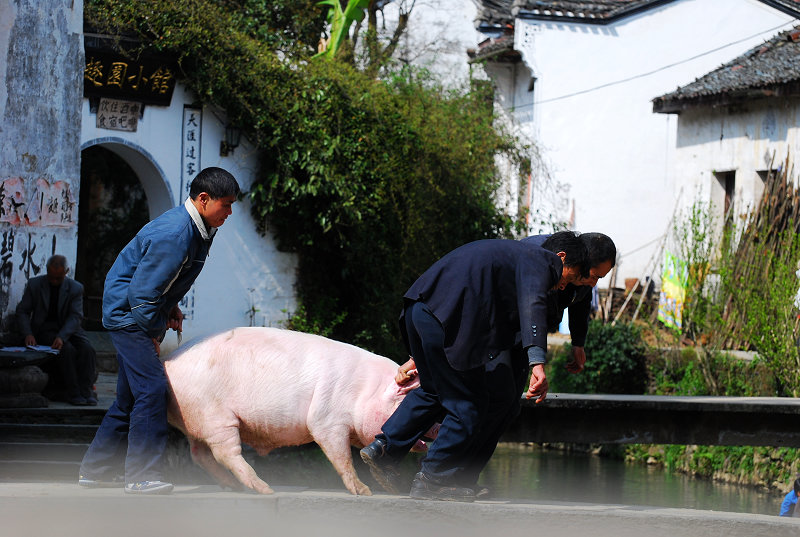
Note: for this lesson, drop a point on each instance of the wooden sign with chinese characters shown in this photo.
(118, 115)
(112, 75)
(191, 138)
(190, 147)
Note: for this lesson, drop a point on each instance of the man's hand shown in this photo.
(175, 319)
(405, 377)
(578, 360)
(406, 372)
(57, 343)
(538, 387)
(30, 340)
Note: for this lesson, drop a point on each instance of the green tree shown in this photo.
(368, 181)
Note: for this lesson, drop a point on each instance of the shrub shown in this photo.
(615, 362)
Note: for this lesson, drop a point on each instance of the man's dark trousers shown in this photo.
(506, 379)
(457, 398)
(75, 363)
(143, 425)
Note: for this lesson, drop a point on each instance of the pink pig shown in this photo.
(271, 388)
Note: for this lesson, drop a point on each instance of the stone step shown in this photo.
(106, 353)
(40, 470)
(71, 416)
(42, 451)
(47, 432)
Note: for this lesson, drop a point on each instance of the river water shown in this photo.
(530, 472)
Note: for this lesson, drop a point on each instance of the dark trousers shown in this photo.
(456, 398)
(506, 378)
(137, 417)
(73, 367)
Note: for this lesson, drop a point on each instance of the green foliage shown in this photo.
(615, 362)
(763, 466)
(763, 299)
(682, 373)
(341, 20)
(742, 284)
(696, 245)
(368, 181)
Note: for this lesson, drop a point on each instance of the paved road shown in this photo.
(66, 510)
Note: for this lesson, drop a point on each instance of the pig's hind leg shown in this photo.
(201, 454)
(336, 445)
(226, 446)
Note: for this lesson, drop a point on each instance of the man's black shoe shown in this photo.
(384, 472)
(423, 488)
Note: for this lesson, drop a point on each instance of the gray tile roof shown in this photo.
(498, 13)
(768, 70)
(594, 12)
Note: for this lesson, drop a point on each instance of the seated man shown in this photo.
(50, 313)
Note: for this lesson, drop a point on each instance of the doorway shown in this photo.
(112, 208)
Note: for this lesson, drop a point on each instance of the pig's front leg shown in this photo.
(336, 445)
(226, 446)
(201, 454)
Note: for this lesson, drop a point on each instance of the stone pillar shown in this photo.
(41, 87)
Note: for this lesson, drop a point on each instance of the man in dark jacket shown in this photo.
(465, 310)
(140, 302)
(50, 313)
(508, 374)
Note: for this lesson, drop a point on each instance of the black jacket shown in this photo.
(487, 294)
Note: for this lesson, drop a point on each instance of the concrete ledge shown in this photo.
(292, 511)
(649, 419)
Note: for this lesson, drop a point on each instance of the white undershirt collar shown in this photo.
(206, 232)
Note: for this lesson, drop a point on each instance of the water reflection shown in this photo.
(529, 472)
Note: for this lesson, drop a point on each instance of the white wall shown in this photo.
(438, 35)
(745, 141)
(244, 270)
(593, 113)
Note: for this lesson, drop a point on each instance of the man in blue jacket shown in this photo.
(467, 308)
(140, 302)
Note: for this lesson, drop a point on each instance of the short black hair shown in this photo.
(569, 243)
(215, 182)
(600, 248)
(797, 486)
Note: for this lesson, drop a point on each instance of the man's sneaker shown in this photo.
(90, 483)
(384, 472)
(423, 488)
(148, 487)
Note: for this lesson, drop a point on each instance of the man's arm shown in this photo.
(579, 312)
(158, 269)
(535, 278)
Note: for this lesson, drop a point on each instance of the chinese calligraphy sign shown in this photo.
(112, 75)
(118, 115)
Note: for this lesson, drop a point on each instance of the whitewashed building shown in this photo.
(580, 77)
(738, 123)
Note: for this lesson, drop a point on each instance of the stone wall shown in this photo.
(41, 72)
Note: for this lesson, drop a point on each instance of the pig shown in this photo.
(270, 388)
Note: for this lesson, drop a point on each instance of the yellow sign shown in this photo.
(673, 292)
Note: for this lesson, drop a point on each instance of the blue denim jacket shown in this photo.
(153, 272)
